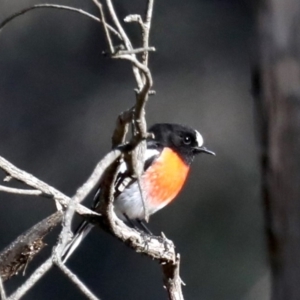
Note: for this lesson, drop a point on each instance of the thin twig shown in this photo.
(20, 191)
(118, 25)
(134, 18)
(31, 281)
(78, 283)
(136, 51)
(105, 26)
(96, 175)
(55, 6)
(125, 39)
(146, 31)
(32, 181)
(66, 234)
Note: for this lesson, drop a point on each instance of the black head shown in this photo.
(186, 141)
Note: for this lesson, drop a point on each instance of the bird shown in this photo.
(170, 151)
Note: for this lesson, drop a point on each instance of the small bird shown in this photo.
(170, 152)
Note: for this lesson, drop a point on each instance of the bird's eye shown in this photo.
(187, 140)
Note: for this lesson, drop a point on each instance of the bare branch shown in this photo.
(105, 26)
(16, 256)
(145, 26)
(35, 277)
(55, 6)
(134, 18)
(66, 234)
(122, 124)
(146, 31)
(172, 279)
(136, 160)
(63, 240)
(118, 24)
(125, 39)
(137, 156)
(141, 67)
(158, 248)
(78, 283)
(20, 252)
(20, 191)
(32, 181)
(95, 177)
(136, 51)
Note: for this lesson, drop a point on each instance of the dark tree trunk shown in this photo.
(278, 79)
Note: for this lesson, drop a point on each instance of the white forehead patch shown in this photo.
(199, 138)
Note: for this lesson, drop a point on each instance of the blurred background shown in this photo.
(59, 101)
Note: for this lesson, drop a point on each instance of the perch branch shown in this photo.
(159, 248)
(172, 279)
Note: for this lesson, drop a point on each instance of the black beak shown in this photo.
(203, 149)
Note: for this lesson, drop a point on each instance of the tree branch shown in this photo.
(125, 39)
(75, 280)
(172, 279)
(146, 31)
(24, 248)
(51, 192)
(19, 253)
(55, 6)
(105, 27)
(35, 277)
(20, 191)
